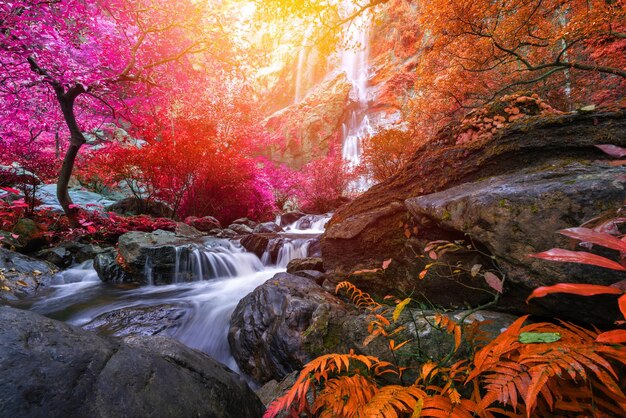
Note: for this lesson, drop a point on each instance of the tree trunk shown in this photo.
(63, 182)
(77, 139)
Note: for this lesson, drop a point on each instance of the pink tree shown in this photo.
(98, 61)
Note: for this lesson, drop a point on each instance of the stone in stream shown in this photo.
(257, 243)
(267, 228)
(309, 263)
(55, 370)
(288, 218)
(68, 253)
(21, 276)
(241, 229)
(204, 224)
(138, 320)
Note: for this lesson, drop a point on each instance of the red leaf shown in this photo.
(567, 256)
(15, 236)
(616, 336)
(594, 237)
(613, 150)
(575, 289)
(10, 190)
(622, 305)
(493, 281)
(387, 262)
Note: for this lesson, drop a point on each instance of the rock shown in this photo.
(310, 126)
(108, 270)
(204, 224)
(267, 228)
(226, 233)
(187, 231)
(21, 276)
(59, 256)
(55, 370)
(317, 276)
(68, 253)
(142, 251)
(268, 326)
(138, 320)
(30, 236)
(310, 263)
(274, 389)
(372, 228)
(288, 218)
(133, 206)
(244, 221)
(518, 214)
(257, 243)
(240, 229)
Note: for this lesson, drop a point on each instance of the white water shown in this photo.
(212, 279)
(302, 72)
(354, 62)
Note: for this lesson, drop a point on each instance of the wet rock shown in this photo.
(107, 268)
(268, 326)
(139, 252)
(59, 256)
(55, 370)
(241, 229)
(133, 206)
(21, 276)
(257, 243)
(138, 320)
(310, 263)
(317, 276)
(204, 224)
(267, 228)
(68, 253)
(226, 233)
(288, 218)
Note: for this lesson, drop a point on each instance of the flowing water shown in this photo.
(223, 272)
(354, 62)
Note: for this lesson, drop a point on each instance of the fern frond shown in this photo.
(392, 400)
(358, 297)
(344, 396)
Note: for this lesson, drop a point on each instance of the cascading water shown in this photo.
(354, 62)
(209, 281)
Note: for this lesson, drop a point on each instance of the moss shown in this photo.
(534, 208)
(446, 216)
(502, 203)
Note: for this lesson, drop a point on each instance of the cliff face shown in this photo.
(372, 228)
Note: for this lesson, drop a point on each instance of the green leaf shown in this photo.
(538, 337)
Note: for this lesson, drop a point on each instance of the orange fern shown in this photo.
(550, 375)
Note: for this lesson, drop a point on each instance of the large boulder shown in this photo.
(309, 263)
(374, 227)
(55, 370)
(516, 215)
(21, 276)
(269, 326)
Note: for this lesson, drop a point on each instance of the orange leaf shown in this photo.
(617, 336)
(567, 256)
(575, 289)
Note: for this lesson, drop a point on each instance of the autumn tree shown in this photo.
(97, 60)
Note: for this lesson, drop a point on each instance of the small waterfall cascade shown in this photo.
(218, 259)
(354, 62)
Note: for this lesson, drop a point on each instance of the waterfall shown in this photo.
(302, 72)
(354, 62)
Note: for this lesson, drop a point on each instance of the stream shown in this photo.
(196, 313)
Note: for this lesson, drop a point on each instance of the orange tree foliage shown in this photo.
(385, 153)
